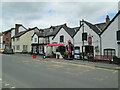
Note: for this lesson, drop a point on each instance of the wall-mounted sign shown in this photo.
(84, 36)
(89, 40)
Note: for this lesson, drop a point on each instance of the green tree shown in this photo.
(97, 49)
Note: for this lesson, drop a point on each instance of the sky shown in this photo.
(46, 14)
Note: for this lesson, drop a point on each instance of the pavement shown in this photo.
(99, 64)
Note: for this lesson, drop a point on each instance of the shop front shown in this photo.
(37, 49)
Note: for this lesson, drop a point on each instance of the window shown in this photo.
(18, 47)
(35, 39)
(118, 35)
(25, 47)
(62, 38)
(109, 52)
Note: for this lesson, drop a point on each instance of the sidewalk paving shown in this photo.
(99, 64)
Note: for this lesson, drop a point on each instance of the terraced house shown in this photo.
(111, 37)
(7, 42)
(60, 34)
(22, 38)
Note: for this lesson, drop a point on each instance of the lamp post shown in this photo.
(83, 38)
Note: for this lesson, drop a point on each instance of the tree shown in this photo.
(97, 49)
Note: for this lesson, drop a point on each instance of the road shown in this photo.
(21, 71)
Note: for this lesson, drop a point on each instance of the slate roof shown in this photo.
(19, 34)
(101, 26)
(55, 29)
(70, 31)
(39, 34)
(8, 30)
(34, 28)
(93, 27)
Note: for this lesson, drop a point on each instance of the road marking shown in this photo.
(91, 67)
(7, 84)
(56, 65)
(117, 67)
(99, 79)
(12, 87)
(114, 72)
(51, 69)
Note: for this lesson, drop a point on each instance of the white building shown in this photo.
(59, 34)
(110, 44)
(92, 32)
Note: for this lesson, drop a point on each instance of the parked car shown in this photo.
(8, 51)
(1, 50)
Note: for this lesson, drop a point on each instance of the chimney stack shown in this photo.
(17, 28)
(107, 20)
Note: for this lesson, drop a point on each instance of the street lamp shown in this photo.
(82, 37)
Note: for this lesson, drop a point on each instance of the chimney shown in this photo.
(17, 28)
(65, 24)
(107, 20)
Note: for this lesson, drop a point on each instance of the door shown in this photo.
(89, 49)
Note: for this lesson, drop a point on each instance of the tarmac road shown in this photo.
(21, 71)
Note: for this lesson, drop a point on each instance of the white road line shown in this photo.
(7, 84)
(12, 87)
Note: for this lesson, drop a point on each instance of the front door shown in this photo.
(89, 49)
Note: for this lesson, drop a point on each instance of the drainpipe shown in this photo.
(83, 40)
(100, 45)
(73, 47)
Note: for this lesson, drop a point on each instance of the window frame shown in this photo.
(111, 52)
(62, 39)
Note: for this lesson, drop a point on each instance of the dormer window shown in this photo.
(35, 39)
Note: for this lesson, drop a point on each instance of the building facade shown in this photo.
(90, 33)
(1, 41)
(110, 44)
(7, 43)
(22, 40)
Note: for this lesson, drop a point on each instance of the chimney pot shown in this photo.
(107, 20)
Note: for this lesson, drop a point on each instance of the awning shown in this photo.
(54, 44)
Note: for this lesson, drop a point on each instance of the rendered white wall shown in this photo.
(33, 39)
(41, 40)
(109, 37)
(78, 38)
(66, 37)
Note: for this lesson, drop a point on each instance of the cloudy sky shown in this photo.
(45, 14)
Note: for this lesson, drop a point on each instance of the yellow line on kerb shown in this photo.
(92, 67)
